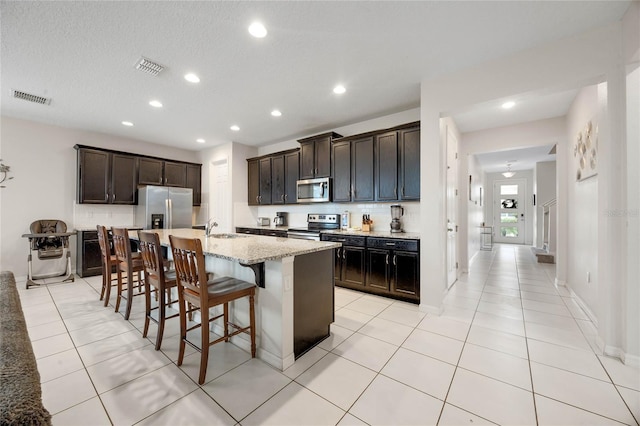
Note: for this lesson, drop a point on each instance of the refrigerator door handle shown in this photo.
(167, 211)
(170, 214)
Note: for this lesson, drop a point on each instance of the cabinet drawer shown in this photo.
(274, 233)
(247, 231)
(89, 235)
(346, 240)
(393, 244)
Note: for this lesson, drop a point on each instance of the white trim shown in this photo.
(430, 309)
(559, 283)
(584, 307)
(630, 360)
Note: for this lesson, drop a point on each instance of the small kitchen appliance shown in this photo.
(280, 219)
(397, 211)
(345, 221)
(263, 221)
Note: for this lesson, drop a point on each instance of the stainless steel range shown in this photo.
(316, 222)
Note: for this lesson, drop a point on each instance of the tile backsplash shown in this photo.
(90, 215)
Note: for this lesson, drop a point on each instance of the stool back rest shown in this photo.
(188, 260)
(105, 250)
(152, 261)
(122, 249)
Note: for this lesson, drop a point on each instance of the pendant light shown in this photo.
(508, 173)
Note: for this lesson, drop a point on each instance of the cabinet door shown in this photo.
(353, 265)
(292, 174)
(410, 164)
(386, 177)
(307, 160)
(123, 179)
(253, 167)
(93, 176)
(91, 258)
(406, 279)
(362, 178)
(150, 171)
(378, 269)
(194, 181)
(341, 157)
(337, 265)
(322, 150)
(175, 174)
(277, 179)
(265, 181)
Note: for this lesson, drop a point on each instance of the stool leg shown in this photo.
(161, 317)
(226, 321)
(129, 294)
(204, 355)
(183, 326)
(252, 323)
(147, 309)
(119, 296)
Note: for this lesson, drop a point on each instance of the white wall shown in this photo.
(473, 211)
(43, 164)
(545, 190)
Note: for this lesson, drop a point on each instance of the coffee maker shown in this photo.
(280, 219)
(397, 211)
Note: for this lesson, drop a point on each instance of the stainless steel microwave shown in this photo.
(314, 190)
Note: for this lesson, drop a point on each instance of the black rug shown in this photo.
(20, 393)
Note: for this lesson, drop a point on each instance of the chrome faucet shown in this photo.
(208, 227)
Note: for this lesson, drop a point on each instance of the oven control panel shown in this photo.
(323, 218)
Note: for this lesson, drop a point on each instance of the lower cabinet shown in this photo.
(88, 256)
(384, 266)
(281, 233)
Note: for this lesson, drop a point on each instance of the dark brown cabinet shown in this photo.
(393, 268)
(349, 262)
(387, 166)
(353, 177)
(409, 179)
(291, 176)
(265, 181)
(278, 176)
(315, 155)
(175, 174)
(105, 177)
(88, 256)
(253, 179)
(259, 181)
(112, 177)
(150, 171)
(272, 178)
(194, 181)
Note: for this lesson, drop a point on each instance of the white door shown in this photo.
(509, 211)
(452, 206)
(220, 199)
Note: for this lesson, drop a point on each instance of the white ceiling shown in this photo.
(82, 56)
(520, 159)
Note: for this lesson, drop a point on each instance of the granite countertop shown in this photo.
(374, 233)
(246, 249)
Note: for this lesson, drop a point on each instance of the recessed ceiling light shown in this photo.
(234, 128)
(339, 89)
(155, 104)
(127, 123)
(192, 78)
(276, 113)
(257, 30)
(508, 105)
(200, 140)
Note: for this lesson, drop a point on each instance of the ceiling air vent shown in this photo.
(31, 98)
(148, 66)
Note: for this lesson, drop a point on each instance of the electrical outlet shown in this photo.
(288, 283)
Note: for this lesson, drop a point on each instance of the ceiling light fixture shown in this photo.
(276, 113)
(127, 123)
(508, 105)
(339, 89)
(192, 78)
(200, 140)
(235, 128)
(508, 173)
(156, 104)
(257, 30)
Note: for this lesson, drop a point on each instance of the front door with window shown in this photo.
(508, 211)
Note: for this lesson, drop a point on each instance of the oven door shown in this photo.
(303, 235)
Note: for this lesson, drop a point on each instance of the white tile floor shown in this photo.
(508, 349)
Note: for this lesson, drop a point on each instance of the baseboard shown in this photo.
(431, 309)
(584, 307)
(558, 282)
(630, 360)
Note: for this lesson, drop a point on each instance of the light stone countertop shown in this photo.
(246, 249)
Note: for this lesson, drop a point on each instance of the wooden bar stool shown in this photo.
(196, 289)
(108, 260)
(128, 264)
(160, 279)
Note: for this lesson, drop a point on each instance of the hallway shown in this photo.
(508, 349)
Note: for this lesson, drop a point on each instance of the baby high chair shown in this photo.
(49, 254)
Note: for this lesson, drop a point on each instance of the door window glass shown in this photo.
(508, 189)
(508, 217)
(509, 231)
(509, 203)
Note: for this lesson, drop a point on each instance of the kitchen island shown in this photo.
(294, 304)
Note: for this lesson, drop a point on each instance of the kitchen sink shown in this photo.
(227, 236)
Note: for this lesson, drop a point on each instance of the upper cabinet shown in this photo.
(315, 155)
(409, 178)
(353, 173)
(112, 177)
(272, 178)
(153, 171)
(105, 177)
(397, 169)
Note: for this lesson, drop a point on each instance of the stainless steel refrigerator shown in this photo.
(163, 207)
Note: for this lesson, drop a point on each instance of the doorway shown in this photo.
(220, 207)
(509, 211)
(452, 208)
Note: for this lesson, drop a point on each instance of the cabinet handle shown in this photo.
(114, 197)
(341, 240)
(282, 198)
(391, 244)
(395, 192)
(403, 191)
(395, 260)
(285, 197)
(257, 199)
(338, 253)
(344, 254)
(387, 259)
